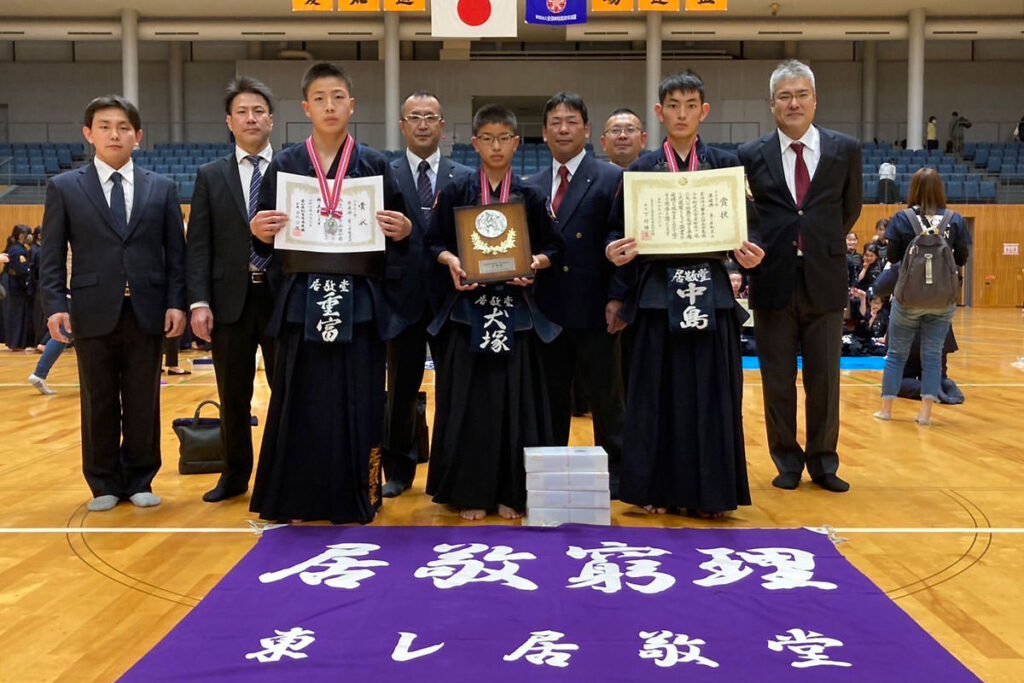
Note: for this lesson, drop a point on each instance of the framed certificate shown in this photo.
(493, 242)
(686, 213)
(355, 230)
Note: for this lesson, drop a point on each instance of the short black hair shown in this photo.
(681, 81)
(569, 99)
(624, 110)
(113, 102)
(247, 84)
(495, 113)
(421, 94)
(324, 70)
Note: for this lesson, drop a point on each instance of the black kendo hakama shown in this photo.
(683, 425)
(320, 456)
(490, 402)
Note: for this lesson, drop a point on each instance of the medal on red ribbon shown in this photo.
(670, 157)
(503, 190)
(331, 197)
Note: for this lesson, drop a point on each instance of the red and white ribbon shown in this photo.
(330, 197)
(504, 188)
(670, 157)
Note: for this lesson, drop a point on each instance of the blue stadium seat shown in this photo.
(988, 191)
(955, 192)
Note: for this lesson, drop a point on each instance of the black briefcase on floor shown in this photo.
(201, 450)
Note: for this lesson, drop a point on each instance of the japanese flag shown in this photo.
(473, 18)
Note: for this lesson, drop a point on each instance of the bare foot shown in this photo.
(704, 514)
(472, 514)
(655, 511)
(505, 512)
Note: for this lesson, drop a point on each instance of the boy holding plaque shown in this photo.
(683, 428)
(491, 394)
(320, 458)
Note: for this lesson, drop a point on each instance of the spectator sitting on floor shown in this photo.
(870, 267)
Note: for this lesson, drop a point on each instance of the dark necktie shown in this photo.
(563, 185)
(801, 178)
(117, 207)
(423, 188)
(258, 262)
(801, 181)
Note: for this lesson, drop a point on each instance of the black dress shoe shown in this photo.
(787, 480)
(222, 492)
(831, 482)
(394, 488)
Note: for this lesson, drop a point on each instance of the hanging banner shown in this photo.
(556, 12)
(405, 5)
(473, 19)
(611, 5)
(659, 6)
(707, 5)
(312, 5)
(358, 5)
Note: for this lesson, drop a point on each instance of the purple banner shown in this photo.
(556, 12)
(572, 603)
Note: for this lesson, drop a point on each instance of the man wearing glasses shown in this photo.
(624, 137)
(421, 173)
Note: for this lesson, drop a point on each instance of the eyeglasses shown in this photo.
(502, 139)
(787, 97)
(429, 119)
(628, 130)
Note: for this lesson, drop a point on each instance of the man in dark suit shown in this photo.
(123, 224)
(422, 172)
(806, 182)
(230, 286)
(581, 189)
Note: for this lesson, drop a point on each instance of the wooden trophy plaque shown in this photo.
(494, 242)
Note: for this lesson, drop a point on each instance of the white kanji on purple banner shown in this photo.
(457, 565)
(542, 648)
(284, 644)
(604, 575)
(664, 648)
(793, 568)
(809, 646)
(337, 567)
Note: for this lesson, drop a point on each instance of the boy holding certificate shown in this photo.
(683, 430)
(491, 394)
(320, 457)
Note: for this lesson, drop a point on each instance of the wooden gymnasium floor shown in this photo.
(85, 606)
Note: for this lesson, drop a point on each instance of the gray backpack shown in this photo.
(928, 274)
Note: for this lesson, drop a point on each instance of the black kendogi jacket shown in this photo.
(643, 283)
(441, 237)
(376, 276)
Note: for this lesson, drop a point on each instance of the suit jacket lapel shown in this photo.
(89, 180)
(579, 184)
(229, 169)
(143, 188)
(772, 153)
(544, 181)
(408, 187)
(829, 151)
(445, 175)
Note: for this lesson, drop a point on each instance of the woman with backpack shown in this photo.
(928, 243)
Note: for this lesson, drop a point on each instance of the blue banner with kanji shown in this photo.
(571, 603)
(556, 12)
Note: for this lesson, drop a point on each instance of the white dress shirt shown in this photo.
(812, 155)
(245, 169)
(572, 165)
(127, 172)
(414, 165)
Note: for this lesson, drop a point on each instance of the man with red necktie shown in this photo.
(806, 182)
